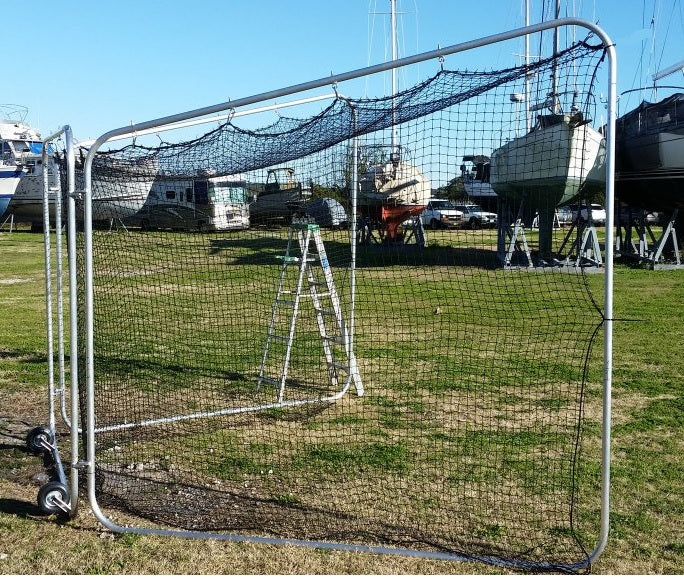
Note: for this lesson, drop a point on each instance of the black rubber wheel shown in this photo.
(53, 498)
(474, 224)
(434, 224)
(36, 437)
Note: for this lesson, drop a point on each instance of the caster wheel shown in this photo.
(36, 437)
(53, 497)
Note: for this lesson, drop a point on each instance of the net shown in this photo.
(244, 384)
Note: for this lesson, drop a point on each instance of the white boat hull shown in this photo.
(400, 185)
(110, 200)
(117, 199)
(478, 189)
(9, 181)
(549, 166)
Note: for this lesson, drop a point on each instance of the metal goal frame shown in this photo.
(87, 463)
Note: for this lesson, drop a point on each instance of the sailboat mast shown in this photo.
(528, 116)
(393, 20)
(556, 50)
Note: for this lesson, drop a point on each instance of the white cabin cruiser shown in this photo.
(21, 171)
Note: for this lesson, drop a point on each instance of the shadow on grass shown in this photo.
(264, 251)
(20, 508)
(25, 357)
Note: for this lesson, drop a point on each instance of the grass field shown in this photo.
(648, 468)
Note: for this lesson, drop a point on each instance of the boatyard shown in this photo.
(427, 324)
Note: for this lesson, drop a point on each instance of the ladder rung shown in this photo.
(294, 259)
(288, 258)
(279, 338)
(326, 312)
(337, 339)
(305, 226)
(316, 294)
(340, 366)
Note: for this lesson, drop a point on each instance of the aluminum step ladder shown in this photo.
(320, 289)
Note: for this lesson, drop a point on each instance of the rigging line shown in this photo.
(639, 72)
(667, 32)
(655, 18)
(369, 36)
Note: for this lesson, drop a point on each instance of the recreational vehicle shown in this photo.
(200, 204)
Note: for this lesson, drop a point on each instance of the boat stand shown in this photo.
(374, 232)
(584, 249)
(512, 247)
(10, 218)
(647, 249)
(116, 223)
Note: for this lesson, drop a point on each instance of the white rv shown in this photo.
(202, 204)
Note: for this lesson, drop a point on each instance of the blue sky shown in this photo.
(107, 64)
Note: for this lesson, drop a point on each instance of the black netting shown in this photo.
(471, 360)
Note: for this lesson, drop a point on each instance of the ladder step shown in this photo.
(337, 339)
(279, 338)
(288, 258)
(326, 312)
(293, 259)
(305, 226)
(340, 366)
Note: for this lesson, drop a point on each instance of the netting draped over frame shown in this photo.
(230, 150)
(229, 393)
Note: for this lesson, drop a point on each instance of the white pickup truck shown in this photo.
(475, 217)
(441, 213)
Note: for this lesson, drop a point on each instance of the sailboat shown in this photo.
(559, 159)
(394, 190)
(650, 153)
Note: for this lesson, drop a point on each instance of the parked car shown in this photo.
(441, 213)
(564, 215)
(598, 213)
(629, 214)
(475, 217)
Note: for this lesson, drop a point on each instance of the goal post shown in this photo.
(470, 377)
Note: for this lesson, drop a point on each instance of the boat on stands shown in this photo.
(119, 189)
(393, 192)
(561, 158)
(475, 174)
(650, 155)
(280, 198)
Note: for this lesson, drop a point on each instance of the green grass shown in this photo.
(648, 423)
